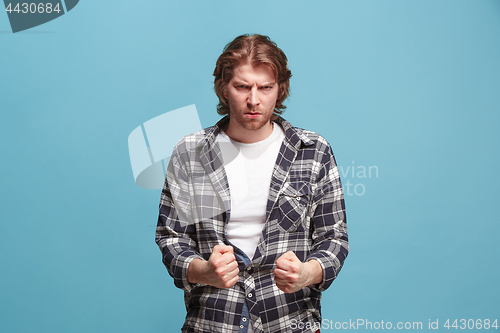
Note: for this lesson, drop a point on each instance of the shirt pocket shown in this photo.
(293, 205)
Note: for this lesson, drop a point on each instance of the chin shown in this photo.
(251, 124)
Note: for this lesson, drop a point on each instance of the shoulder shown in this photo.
(188, 147)
(312, 136)
(202, 138)
(193, 139)
(302, 137)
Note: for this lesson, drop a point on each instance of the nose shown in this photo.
(253, 97)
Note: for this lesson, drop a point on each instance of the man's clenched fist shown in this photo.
(221, 269)
(291, 274)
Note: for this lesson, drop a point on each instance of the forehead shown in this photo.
(254, 73)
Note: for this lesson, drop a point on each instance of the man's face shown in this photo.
(251, 94)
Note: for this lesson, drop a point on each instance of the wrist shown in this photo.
(315, 272)
(196, 271)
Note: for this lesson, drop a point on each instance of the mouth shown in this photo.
(252, 114)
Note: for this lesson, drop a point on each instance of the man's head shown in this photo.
(253, 50)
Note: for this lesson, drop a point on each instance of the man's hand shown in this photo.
(221, 269)
(291, 274)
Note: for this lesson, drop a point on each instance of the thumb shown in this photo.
(221, 249)
(228, 249)
(289, 255)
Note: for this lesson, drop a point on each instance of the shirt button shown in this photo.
(241, 326)
(249, 295)
(244, 319)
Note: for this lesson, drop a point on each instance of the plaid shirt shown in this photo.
(305, 214)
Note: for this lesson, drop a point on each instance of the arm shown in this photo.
(176, 234)
(328, 223)
(176, 230)
(328, 233)
(188, 268)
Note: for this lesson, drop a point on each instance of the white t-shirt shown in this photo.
(249, 168)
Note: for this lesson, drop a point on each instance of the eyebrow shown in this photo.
(240, 82)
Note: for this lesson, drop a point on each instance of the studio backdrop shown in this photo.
(95, 94)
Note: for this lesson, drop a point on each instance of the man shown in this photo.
(252, 219)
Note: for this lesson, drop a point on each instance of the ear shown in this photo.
(224, 91)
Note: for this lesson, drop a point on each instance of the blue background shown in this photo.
(411, 87)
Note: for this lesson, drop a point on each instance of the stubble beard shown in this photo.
(252, 124)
